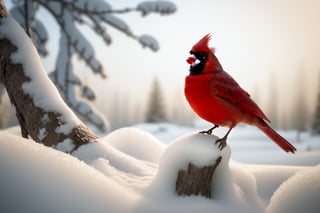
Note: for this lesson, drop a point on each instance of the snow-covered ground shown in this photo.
(249, 144)
(131, 170)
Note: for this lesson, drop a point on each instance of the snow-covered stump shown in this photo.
(194, 165)
(196, 180)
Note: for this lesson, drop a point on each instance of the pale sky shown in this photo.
(253, 38)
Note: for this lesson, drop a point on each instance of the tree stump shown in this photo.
(196, 180)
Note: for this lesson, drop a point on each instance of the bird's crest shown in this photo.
(202, 45)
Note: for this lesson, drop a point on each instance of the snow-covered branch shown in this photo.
(38, 31)
(101, 7)
(161, 7)
(42, 113)
(148, 41)
(96, 14)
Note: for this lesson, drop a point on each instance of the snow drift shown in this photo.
(103, 178)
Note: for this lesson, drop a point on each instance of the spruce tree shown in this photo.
(156, 110)
(316, 121)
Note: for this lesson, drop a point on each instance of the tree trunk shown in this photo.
(39, 123)
(196, 180)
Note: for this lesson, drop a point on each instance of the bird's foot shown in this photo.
(209, 131)
(206, 132)
(222, 143)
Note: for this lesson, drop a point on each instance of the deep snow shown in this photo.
(139, 174)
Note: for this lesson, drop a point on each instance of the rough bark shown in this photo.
(196, 181)
(3, 9)
(30, 116)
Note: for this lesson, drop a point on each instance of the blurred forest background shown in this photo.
(272, 48)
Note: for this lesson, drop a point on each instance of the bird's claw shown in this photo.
(209, 131)
(222, 143)
(206, 132)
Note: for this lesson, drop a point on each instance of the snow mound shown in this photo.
(299, 193)
(198, 149)
(36, 178)
(136, 143)
(93, 152)
(234, 189)
(102, 178)
(15, 130)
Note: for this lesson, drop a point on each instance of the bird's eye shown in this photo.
(199, 55)
(203, 55)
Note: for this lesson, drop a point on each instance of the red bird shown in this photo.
(216, 97)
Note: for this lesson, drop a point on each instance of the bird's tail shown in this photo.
(278, 139)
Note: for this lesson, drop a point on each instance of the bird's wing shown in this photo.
(226, 88)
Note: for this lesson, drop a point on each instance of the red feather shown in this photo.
(225, 87)
(202, 45)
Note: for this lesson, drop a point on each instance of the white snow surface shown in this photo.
(131, 142)
(119, 174)
(40, 87)
(296, 199)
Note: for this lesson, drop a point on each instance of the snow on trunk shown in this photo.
(41, 111)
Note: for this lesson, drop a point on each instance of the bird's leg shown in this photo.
(209, 131)
(223, 141)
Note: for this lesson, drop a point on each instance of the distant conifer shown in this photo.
(156, 110)
(316, 121)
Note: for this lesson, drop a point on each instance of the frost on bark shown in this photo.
(69, 15)
(196, 181)
(41, 124)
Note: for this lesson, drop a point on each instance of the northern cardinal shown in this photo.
(217, 98)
